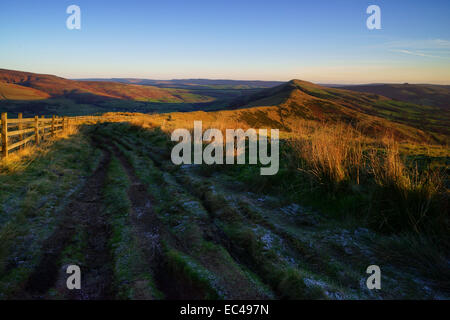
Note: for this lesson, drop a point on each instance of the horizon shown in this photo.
(324, 43)
(228, 79)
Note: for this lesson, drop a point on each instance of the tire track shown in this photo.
(85, 211)
(149, 233)
(212, 230)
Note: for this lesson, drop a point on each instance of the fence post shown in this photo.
(19, 116)
(53, 125)
(43, 128)
(36, 129)
(64, 124)
(4, 135)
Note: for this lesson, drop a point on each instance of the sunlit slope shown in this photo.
(301, 99)
(284, 106)
(10, 91)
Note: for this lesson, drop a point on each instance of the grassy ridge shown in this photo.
(304, 100)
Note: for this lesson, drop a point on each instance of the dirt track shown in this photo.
(83, 212)
(148, 229)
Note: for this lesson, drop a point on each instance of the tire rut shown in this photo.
(96, 275)
(213, 231)
(149, 232)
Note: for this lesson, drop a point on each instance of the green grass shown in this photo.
(185, 268)
(204, 266)
(33, 190)
(226, 231)
(132, 274)
(348, 206)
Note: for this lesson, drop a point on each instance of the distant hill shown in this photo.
(195, 83)
(18, 85)
(423, 94)
(10, 91)
(275, 105)
(221, 90)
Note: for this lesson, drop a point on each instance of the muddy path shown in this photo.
(83, 212)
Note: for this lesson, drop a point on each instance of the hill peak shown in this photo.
(299, 82)
(304, 84)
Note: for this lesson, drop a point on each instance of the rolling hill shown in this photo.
(52, 86)
(311, 101)
(224, 91)
(195, 83)
(11, 91)
(423, 94)
(259, 103)
(282, 106)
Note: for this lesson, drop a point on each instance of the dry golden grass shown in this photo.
(337, 152)
(343, 158)
(389, 169)
(330, 153)
(415, 196)
(21, 158)
(404, 196)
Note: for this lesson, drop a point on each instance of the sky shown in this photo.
(321, 41)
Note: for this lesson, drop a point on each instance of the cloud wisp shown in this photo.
(415, 53)
(430, 48)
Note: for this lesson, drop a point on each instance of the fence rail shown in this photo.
(17, 132)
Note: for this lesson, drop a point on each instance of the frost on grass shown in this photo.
(300, 215)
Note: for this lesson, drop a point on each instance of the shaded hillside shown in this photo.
(195, 83)
(423, 94)
(141, 93)
(224, 91)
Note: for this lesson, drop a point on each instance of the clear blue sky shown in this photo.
(322, 41)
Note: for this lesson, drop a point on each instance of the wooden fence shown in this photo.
(16, 133)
